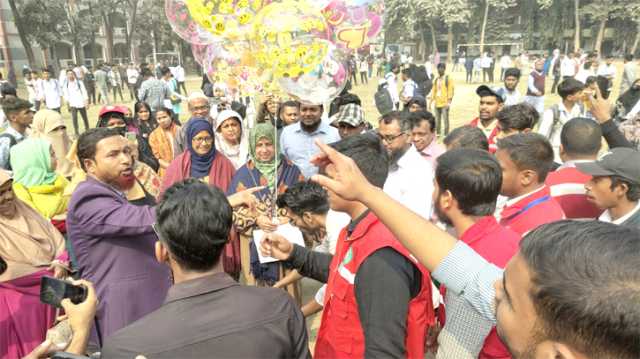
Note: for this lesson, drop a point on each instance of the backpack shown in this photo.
(383, 101)
(12, 142)
(208, 90)
(425, 87)
(555, 109)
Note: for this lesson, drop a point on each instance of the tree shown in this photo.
(22, 26)
(631, 12)
(497, 4)
(576, 41)
(600, 11)
(453, 12)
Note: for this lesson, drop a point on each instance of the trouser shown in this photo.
(91, 94)
(363, 77)
(132, 91)
(354, 77)
(380, 71)
(117, 89)
(36, 105)
(502, 70)
(103, 95)
(537, 102)
(469, 75)
(442, 115)
(556, 81)
(486, 74)
(492, 71)
(57, 109)
(183, 87)
(74, 118)
(371, 72)
(245, 259)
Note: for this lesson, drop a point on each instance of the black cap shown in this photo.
(484, 90)
(621, 162)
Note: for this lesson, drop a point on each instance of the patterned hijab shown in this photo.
(267, 169)
(200, 164)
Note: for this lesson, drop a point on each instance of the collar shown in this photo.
(606, 216)
(572, 164)
(562, 108)
(406, 159)
(199, 286)
(431, 149)
(480, 229)
(492, 126)
(12, 131)
(358, 227)
(540, 192)
(96, 181)
(321, 129)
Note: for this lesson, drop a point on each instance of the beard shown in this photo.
(441, 216)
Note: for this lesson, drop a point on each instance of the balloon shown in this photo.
(232, 63)
(199, 53)
(354, 23)
(230, 19)
(183, 25)
(325, 82)
(289, 38)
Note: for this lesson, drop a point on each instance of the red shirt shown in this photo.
(534, 210)
(497, 245)
(493, 138)
(567, 187)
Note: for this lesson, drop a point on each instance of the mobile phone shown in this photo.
(131, 136)
(53, 291)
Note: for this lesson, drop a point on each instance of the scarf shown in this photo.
(237, 154)
(43, 126)
(200, 164)
(31, 163)
(28, 242)
(267, 169)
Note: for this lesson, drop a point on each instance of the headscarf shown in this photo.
(27, 241)
(44, 122)
(31, 163)
(237, 154)
(267, 169)
(200, 164)
(630, 98)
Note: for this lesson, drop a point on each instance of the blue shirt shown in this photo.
(299, 146)
(5, 145)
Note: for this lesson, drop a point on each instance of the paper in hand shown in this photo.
(291, 233)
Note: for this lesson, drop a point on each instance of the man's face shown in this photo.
(336, 202)
(441, 71)
(510, 174)
(7, 200)
(516, 316)
(347, 130)
(609, 62)
(511, 82)
(308, 222)
(23, 117)
(45, 75)
(438, 207)
(310, 115)
(539, 65)
(199, 108)
(415, 107)
(508, 132)
(489, 107)
(290, 115)
(394, 140)
(113, 163)
(599, 192)
(422, 135)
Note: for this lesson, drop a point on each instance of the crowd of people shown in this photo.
(515, 235)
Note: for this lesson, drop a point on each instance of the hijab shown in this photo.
(267, 169)
(27, 241)
(200, 164)
(237, 154)
(43, 126)
(631, 97)
(31, 163)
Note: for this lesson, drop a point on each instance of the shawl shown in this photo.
(162, 146)
(45, 122)
(220, 174)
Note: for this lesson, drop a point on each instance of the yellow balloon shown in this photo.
(230, 19)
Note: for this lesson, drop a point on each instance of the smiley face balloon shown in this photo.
(225, 19)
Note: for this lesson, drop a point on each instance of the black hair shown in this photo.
(306, 196)
(585, 286)
(581, 137)
(3, 266)
(512, 72)
(633, 188)
(166, 110)
(7, 89)
(12, 104)
(367, 151)
(417, 100)
(146, 72)
(441, 65)
(407, 72)
(529, 151)
(590, 80)
(569, 87)
(518, 117)
(403, 120)
(194, 221)
(417, 117)
(473, 177)
(164, 71)
(88, 142)
(289, 103)
(628, 57)
(467, 137)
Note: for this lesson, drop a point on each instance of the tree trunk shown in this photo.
(434, 42)
(131, 29)
(484, 25)
(17, 19)
(108, 33)
(601, 28)
(576, 41)
(450, 44)
(634, 47)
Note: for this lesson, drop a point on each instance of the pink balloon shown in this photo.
(183, 25)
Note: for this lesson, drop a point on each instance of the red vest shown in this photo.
(567, 187)
(532, 211)
(493, 138)
(340, 334)
(538, 82)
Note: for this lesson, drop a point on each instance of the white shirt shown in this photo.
(392, 87)
(606, 216)
(32, 90)
(335, 222)
(583, 75)
(411, 183)
(52, 94)
(486, 62)
(567, 67)
(505, 62)
(608, 71)
(179, 73)
(75, 94)
(132, 76)
(553, 134)
(408, 88)
(512, 98)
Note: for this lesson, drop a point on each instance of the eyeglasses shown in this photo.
(200, 108)
(390, 138)
(200, 140)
